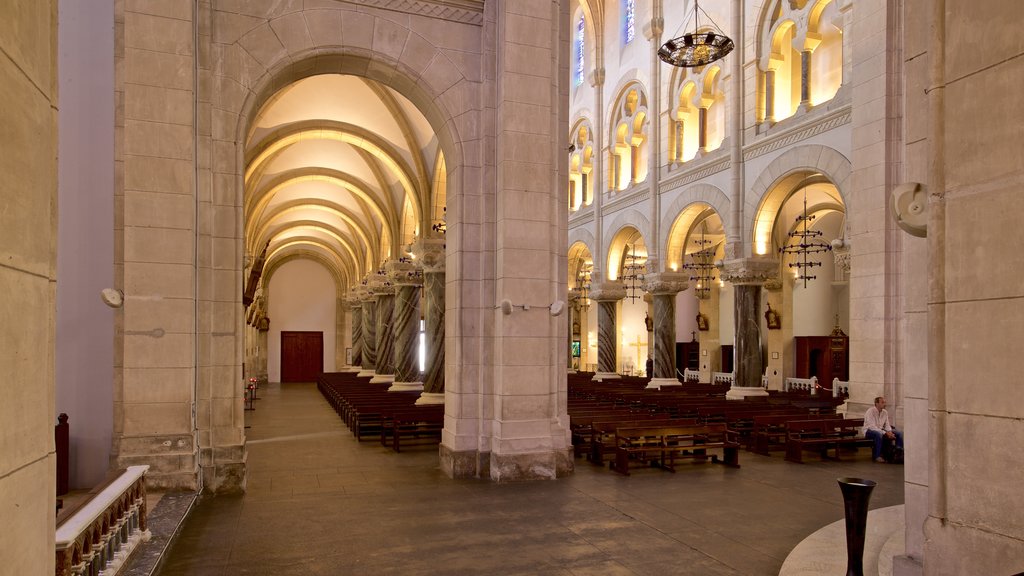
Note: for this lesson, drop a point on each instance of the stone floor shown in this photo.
(319, 503)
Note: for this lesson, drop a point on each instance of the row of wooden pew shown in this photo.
(623, 423)
(369, 411)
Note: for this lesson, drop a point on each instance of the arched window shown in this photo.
(581, 166)
(628, 21)
(629, 160)
(581, 51)
(801, 57)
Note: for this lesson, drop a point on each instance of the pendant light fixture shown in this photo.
(696, 48)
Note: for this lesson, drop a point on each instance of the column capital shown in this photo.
(596, 77)
(754, 271)
(404, 273)
(841, 252)
(607, 292)
(666, 283)
(429, 252)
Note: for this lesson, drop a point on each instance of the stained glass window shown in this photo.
(580, 51)
(629, 21)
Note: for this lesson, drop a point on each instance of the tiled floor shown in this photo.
(319, 503)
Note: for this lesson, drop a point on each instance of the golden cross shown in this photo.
(638, 345)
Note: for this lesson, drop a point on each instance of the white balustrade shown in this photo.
(98, 537)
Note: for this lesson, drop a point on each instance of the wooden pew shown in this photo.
(602, 436)
(770, 429)
(419, 425)
(663, 445)
(822, 435)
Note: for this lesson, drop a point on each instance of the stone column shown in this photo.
(747, 276)
(385, 336)
(663, 287)
(356, 305)
(369, 335)
(262, 335)
(430, 253)
(606, 294)
(777, 339)
(407, 279)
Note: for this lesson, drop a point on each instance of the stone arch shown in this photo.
(696, 194)
(582, 236)
(829, 162)
(304, 254)
(630, 218)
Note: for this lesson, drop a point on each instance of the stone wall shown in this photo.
(28, 235)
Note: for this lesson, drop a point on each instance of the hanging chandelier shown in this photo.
(804, 243)
(702, 265)
(696, 48)
(632, 273)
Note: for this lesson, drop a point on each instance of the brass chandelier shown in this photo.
(702, 265)
(632, 273)
(696, 48)
(804, 243)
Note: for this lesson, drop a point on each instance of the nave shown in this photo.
(320, 503)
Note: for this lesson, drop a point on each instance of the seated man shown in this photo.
(878, 427)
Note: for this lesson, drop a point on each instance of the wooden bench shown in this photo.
(770, 429)
(603, 441)
(822, 435)
(661, 446)
(420, 425)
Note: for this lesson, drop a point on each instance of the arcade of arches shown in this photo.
(387, 174)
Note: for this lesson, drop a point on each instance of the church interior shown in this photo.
(233, 231)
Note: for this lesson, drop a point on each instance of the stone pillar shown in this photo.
(262, 352)
(369, 335)
(663, 287)
(776, 339)
(747, 276)
(356, 305)
(385, 336)
(769, 96)
(606, 294)
(805, 79)
(430, 253)
(407, 279)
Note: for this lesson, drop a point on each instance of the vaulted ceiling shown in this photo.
(341, 170)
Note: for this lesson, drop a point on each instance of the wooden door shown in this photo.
(302, 356)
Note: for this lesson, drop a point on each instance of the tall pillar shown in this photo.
(262, 351)
(663, 287)
(407, 279)
(606, 295)
(356, 305)
(430, 253)
(369, 335)
(747, 276)
(385, 336)
(776, 339)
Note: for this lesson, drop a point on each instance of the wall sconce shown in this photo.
(555, 308)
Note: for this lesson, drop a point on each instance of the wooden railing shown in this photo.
(97, 538)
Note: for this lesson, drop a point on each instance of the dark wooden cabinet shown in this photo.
(826, 357)
(726, 358)
(687, 356)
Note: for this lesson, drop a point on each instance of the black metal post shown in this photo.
(856, 494)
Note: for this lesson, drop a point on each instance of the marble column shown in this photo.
(430, 253)
(385, 369)
(747, 276)
(663, 287)
(369, 335)
(606, 295)
(407, 279)
(356, 305)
